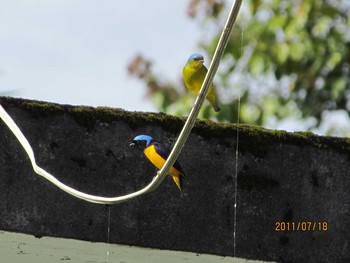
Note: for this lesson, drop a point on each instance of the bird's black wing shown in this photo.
(165, 152)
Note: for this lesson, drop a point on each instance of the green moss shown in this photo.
(252, 139)
(42, 109)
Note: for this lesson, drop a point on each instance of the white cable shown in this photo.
(161, 175)
(90, 198)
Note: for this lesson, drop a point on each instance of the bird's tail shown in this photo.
(178, 180)
(216, 107)
(212, 99)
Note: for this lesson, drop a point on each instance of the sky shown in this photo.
(77, 51)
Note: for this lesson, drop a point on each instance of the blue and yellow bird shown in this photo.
(157, 153)
(194, 73)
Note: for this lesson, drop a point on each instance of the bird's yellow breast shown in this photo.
(158, 160)
(193, 78)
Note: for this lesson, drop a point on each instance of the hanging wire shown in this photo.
(236, 164)
(162, 173)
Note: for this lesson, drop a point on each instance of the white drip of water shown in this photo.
(108, 233)
(236, 165)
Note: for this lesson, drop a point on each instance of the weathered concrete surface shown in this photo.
(290, 177)
(21, 248)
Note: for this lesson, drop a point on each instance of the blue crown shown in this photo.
(146, 138)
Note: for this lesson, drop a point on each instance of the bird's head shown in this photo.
(195, 60)
(141, 141)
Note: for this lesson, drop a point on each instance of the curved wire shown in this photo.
(162, 173)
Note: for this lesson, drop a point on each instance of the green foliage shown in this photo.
(287, 59)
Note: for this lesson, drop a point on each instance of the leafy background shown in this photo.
(287, 61)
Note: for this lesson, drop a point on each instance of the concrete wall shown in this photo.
(289, 177)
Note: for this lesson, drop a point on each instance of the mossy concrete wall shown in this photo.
(282, 177)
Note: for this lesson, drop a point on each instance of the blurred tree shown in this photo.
(286, 60)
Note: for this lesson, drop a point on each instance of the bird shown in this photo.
(157, 154)
(194, 73)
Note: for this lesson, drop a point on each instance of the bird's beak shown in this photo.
(132, 144)
(200, 59)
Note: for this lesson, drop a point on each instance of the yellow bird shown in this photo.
(194, 73)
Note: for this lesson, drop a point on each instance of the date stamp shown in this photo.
(301, 226)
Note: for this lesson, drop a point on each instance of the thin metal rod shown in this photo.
(186, 130)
